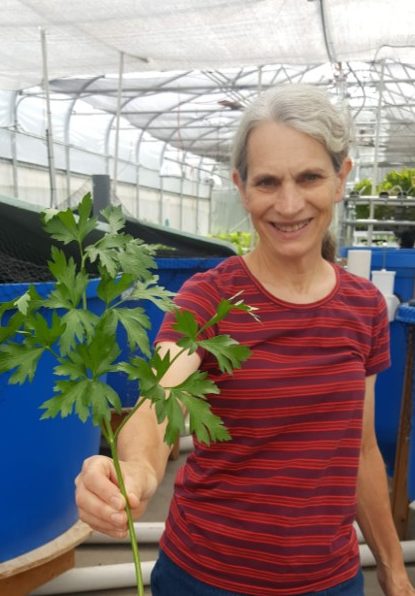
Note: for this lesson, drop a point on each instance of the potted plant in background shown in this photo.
(84, 344)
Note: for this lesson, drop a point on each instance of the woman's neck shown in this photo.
(299, 281)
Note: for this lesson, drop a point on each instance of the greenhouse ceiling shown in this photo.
(183, 71)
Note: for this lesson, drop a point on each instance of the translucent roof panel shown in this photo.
(85, 37)
(189, 68)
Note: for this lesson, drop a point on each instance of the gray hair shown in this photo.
(305, 108)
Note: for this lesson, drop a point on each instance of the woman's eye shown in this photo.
(311, 177)
(266, 182)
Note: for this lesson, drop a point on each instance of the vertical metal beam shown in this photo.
(13, 143)
(49, 130)
(375, 173)
(137, 174)
(117, 121)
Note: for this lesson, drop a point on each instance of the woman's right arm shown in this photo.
(143, 459)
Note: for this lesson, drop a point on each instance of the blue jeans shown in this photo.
(167, 579)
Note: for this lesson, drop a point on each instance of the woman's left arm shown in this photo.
(374, 514)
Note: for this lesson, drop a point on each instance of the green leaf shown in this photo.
(160, 364)
(186, 323)
(170, 408)
(22, 303)
(24, 358)
(115, 218)
(137, 260)
(71, 284)
(148, 290)
(109, 289)
(86, 223)
(86, 397)
(106, 251)
(203, 422)
(135, 322)
(65, 226)
(73, 370)
(69, 394)
(189, 395)
(42, 333)
(15, 323)
(228, 352)
(226, 306)
(102, 398)
(79, 326)
(100, 354)
(61, 225)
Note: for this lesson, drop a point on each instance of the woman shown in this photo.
(271, 512)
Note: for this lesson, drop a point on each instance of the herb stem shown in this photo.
(127, 417)
(109, 435)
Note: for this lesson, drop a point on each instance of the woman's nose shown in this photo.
(289, 200)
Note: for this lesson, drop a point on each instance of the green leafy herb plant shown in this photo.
(84, 342)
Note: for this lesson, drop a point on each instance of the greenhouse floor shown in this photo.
(110, 554)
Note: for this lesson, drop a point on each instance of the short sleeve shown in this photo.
(379, 356)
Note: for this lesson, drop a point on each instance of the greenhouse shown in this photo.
(131, 109)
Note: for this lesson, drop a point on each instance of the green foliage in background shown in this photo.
(394, 182)
(240, 240)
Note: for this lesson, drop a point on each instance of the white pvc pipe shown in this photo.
(368, 560)
(84, 579)
(145, 532)
(99, 577)
(109, 577)
(186, 443)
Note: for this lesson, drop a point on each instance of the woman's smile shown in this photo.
(291, 228)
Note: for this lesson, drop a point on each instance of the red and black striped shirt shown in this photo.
(271, 511)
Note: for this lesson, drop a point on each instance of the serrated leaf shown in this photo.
(44, 333)
(115, 218)
(61, 226)
(203, 422)
(197, 384)
(137, 260)
(79, 326)
(102, 398)
(71, 284)
(160, 364)
(109, 289)
(228, 352)
(24, 358)
(85, 223)
(170, 408)
(67, 394)
(22, 303)
(73, 370)
(106, 251)
(140, 369)
(135, 322)
(185, 323)
(67, 227)
(15, 323)
(156, 294)
(100, 354)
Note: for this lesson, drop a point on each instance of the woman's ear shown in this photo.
(342, 177)
(240, 185)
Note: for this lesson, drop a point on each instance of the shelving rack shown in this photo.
(349, 222)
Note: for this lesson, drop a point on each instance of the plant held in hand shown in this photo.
(85, 345)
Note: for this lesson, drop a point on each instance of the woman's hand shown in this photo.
(99, 500)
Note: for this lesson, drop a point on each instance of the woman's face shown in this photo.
(290, 190)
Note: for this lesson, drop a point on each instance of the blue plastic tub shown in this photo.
(389, 385)
(406, 316)
(172, 274)
(40, 458)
